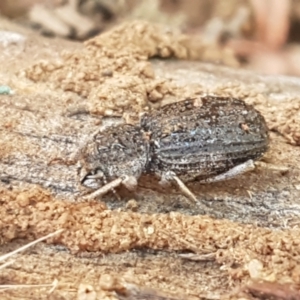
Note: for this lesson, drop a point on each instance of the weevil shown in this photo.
(204, 139)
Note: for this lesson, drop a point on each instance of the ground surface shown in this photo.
(139, 247)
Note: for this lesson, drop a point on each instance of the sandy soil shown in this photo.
(152, 244)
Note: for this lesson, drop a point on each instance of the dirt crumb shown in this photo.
(90, 226)
(113, 75)
(113, 71)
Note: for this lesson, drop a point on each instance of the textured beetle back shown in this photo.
(200, 139)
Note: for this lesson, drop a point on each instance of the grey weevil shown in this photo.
(206, 139)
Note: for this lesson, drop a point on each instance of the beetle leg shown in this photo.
(185, 190)
(129, 182)
(104, 189)
(167, 177)
(237, 170)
